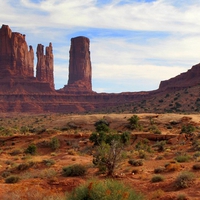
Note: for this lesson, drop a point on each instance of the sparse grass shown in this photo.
(184, 180)
(49, 162)
(104, 190)
(157, 178)
(31, 149)
(12, 179)
(159, 170)
(183, 158)
(136, 162)
(74, 170)
(181, 197)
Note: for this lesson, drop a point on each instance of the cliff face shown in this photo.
(184, 80)
(44, 69)
(80, 70)
(17, 65)
(15, 57)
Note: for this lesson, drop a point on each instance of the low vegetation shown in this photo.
(43, 158)
(74, 170)
(104, 190)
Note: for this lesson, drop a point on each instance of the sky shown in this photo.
(134, 44)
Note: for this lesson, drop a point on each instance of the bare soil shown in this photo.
(43, 178)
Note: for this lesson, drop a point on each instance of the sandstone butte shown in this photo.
(21, 91)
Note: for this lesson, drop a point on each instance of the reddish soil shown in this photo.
(40, 180)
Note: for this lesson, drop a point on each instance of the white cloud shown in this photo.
(155, 40)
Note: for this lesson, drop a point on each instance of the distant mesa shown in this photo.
(23, 90)
(184, 80)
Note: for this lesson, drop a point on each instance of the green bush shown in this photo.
(25, 166)
(104, 190)
(102, 125)
(54, 143)
(154, 129)
(74, 170)
(136, 162)
(160, 145)
(12, 179)
(31, 149)
(134, 122)
(183, 158)
(49, 162)
(157, 178)
(184, 180)
(144, 144)
(196, 154)
(188, 128)
(159, 170)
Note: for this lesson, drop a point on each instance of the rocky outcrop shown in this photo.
(15, 57)
(184, 80)
(44, 69)
(80, 70)
(17, 65)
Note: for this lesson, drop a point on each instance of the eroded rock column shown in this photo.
(80, 64)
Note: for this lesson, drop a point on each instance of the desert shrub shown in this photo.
(181, 197)
(157, 178)
(12, 179)
(154, 129)
(196, 154)
(24, 166)
(159, 170)
(74, 170)
(196, 166)
(159, 157)
(136, 162)
(107, 156)
(183, 158)
(160, 145)
(31, 149)
(49, 162)
(143, 145)
(109, 149)
(104, 190)
(187, 128)
(24, 129)
(157, 194)
(184, 179)
(72, 152)
(54, 143)
(102, 125)
(5, 174)
(142, 154)
(134, 122)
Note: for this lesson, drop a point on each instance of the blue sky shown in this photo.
(134, 44)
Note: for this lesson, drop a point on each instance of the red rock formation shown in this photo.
(186, 79)
(44, 71)
(80, 69)
(15, 58)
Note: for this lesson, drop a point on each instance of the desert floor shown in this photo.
(42, 178)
